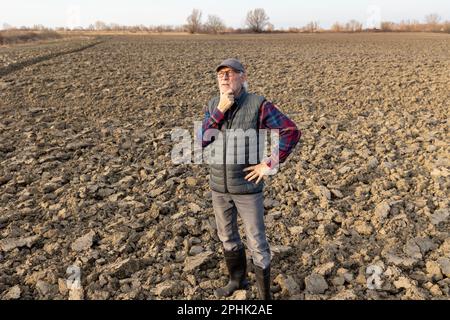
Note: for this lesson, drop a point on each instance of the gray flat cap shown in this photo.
(232, 63)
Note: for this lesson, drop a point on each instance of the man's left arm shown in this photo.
(272, 118)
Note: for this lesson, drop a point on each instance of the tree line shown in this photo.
(257, 21)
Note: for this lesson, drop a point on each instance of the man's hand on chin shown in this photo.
(226, 100)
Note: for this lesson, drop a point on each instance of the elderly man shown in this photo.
(238, 187)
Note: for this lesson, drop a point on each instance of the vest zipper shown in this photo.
(229, 122)
(228, 126)
(225, 157)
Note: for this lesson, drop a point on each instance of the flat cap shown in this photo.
(232, 63)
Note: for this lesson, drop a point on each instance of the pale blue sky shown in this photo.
(282, 13)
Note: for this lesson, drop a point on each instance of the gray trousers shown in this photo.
(251, 210)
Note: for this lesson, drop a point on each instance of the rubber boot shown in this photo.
(263, 282)
(237, 269)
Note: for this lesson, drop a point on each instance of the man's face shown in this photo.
(229, 79)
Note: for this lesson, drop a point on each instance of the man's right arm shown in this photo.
(211, 121)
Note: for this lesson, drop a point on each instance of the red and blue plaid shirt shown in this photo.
(270, 117)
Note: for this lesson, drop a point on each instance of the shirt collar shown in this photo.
(241, 95)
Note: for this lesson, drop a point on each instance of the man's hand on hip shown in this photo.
(258, 171)
(226, 100)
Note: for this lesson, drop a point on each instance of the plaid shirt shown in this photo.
(270, 117)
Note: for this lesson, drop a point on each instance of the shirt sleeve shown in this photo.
(210, 121)
(289, 135)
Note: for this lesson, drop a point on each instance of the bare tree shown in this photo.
(293, 30)
(313, 26)
(194, 23)
(353, 26)
(337, 27)
(387, 26)
(162, 28)
(115, 26)
(214, 24)
(432, 21)
(38, 27)
(100, 25)
(257, 20)
(433, 18)
(410, 26)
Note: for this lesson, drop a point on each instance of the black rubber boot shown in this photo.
(237, 269)
(263, 282)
